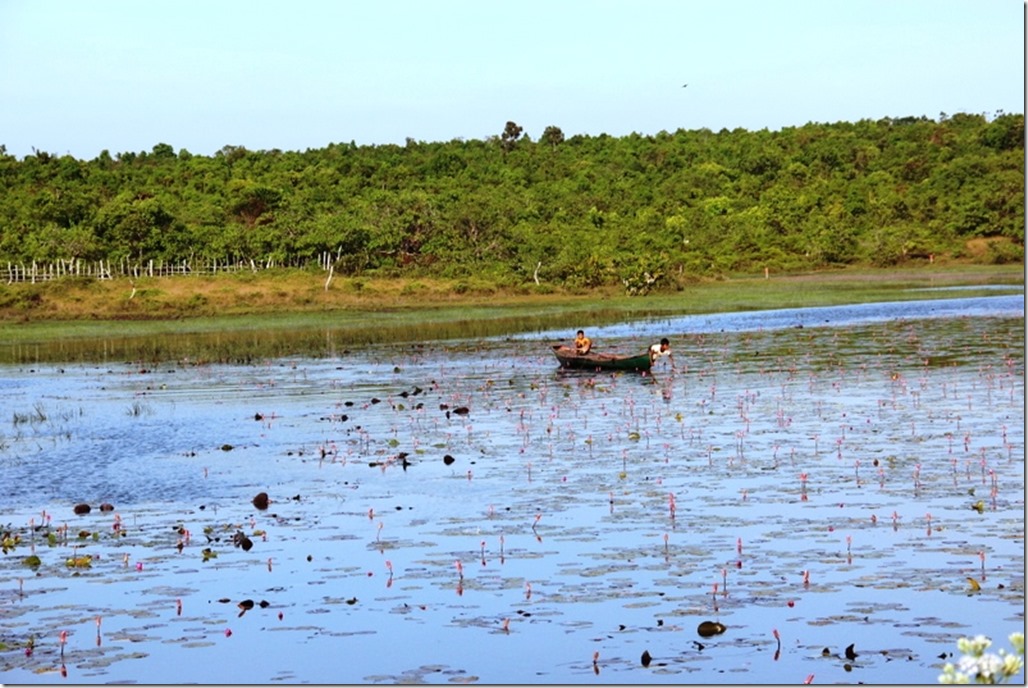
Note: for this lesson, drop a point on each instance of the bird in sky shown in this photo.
(684, 85)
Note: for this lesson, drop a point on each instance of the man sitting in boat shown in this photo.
(662, 349)
(582, 343)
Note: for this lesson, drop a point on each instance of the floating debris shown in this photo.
(240, 540)
(80, 562)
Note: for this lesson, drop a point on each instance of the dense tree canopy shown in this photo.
(578, 210)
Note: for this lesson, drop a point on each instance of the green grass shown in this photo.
(404, 317)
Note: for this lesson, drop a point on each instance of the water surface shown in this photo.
(839, 476)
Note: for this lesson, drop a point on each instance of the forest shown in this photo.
(645, 212)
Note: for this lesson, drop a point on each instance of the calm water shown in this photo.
(835, 475)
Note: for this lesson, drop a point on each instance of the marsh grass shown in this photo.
(36, 415)
(137, 409)
(242, 317)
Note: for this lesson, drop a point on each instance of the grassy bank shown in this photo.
(377, 310)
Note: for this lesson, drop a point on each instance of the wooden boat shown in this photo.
(568, 358)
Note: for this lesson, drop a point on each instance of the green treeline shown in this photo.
(642, 211)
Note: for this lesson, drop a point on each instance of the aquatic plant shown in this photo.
(978, 666)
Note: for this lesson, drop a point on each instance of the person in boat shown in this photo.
(583, 344)
(662, 349)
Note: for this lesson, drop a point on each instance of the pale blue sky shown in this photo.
(81, 76)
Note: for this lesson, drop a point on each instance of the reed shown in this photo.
(91, 322)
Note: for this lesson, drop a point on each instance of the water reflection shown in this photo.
(249, 346)
(1006, 306)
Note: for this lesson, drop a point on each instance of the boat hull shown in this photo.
(567, 358)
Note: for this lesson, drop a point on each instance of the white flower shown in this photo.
(1012, 665)
(980, 667)
(974, 646)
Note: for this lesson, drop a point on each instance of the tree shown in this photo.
(650, 209)
(136, 226)
(163, 151)
(509, 137)
(252, 202)
(553, 136)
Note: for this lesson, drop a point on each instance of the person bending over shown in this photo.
(662, 349)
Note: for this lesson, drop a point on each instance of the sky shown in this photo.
(78, 77)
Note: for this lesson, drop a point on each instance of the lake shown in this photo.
(823, 494)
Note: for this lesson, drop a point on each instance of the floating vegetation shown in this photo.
(708, 629)
(261, 501)
(788, 503)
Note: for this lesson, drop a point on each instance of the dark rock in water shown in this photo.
(448, 459)
(710, 628)
(646, 658)
(261, 501)
(81, 509)
(226, 447)
(106, 507)
(258, 416)
(462, 410)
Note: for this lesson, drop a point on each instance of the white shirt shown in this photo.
(655, 351)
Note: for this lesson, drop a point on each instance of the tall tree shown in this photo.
(509, 137)
(553, 136)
